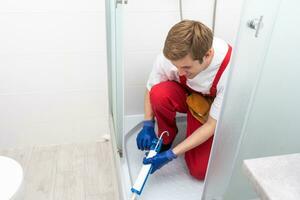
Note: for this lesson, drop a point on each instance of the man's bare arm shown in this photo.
(200, 135)
(147, 107)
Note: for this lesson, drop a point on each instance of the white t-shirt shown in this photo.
(164, 70)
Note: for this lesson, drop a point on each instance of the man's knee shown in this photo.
(198, 173)
(161, 92)
(197, 165)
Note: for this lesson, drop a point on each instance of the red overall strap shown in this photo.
(213, 89)
(182, 80)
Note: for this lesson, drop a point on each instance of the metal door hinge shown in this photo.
(121, 2)
(118, 2)
(120, 152)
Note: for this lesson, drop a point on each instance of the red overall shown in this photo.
(169, 97)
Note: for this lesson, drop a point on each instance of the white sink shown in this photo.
(11, 177)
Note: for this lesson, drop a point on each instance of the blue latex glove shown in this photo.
(160, 160)
(146, 135)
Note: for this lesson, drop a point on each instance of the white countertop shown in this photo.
(276, 177)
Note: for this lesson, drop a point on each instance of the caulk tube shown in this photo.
(146, 169)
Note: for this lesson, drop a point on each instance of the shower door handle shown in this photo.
(256, 24)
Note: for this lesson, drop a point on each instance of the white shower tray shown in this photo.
(173, 181)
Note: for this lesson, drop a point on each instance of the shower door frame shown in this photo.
(114, 12)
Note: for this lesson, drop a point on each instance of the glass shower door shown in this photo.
(261, 106)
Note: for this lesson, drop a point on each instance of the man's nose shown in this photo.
(181, 72)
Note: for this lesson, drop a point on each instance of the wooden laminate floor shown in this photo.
(66, 172)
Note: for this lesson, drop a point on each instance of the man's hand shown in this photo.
(146, 135)
(160, 160)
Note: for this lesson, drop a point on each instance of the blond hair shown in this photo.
(186, 37)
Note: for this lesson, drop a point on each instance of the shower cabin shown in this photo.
(260, 108)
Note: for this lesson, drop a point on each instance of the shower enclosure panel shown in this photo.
(261, 106)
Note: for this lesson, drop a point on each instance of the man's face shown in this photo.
(189, 67)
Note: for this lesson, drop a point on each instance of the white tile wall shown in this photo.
(54, 132)
(53, 5)
(53, 73)
(146, 31)
(56, 105)
(204, 17)
(198, 6)
(52, 32)
(141, 62)
(169, 5)
(134, 96)
(228, 19)
(145, 27)
(154, 5)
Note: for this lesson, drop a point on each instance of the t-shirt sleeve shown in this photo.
(216, 106)
(162, 70)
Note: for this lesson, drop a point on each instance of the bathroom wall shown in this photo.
(53, 73)
(228, 15)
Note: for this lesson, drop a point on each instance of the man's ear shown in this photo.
(209, 53)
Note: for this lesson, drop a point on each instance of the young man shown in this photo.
(193, 63)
